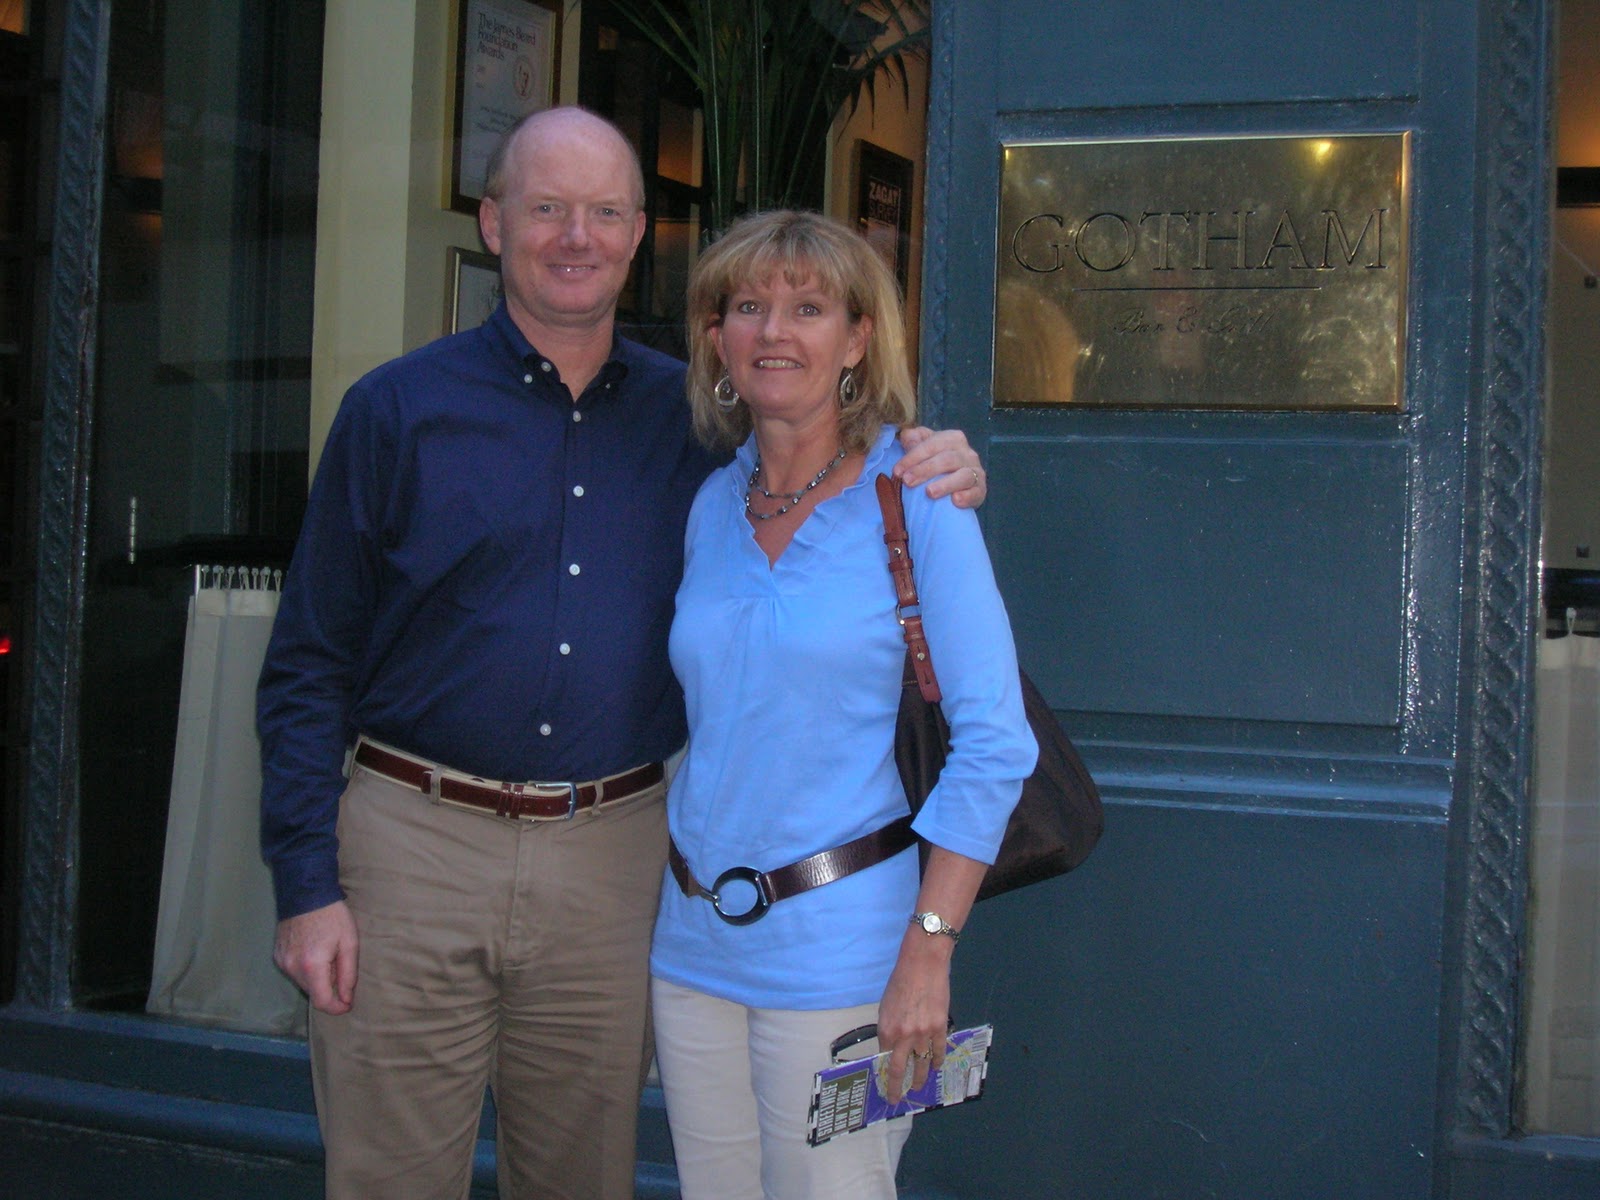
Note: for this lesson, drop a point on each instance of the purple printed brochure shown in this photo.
(849, 1096)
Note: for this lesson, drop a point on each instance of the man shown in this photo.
(482, 593)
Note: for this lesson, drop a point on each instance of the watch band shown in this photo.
(932, 924)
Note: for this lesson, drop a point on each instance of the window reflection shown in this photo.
(624, 77)
(22, 259)
(201, 410)
(1560, 1068)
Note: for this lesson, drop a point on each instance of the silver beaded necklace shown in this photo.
(789, 500)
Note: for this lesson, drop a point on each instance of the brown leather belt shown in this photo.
(772, 886)
(516, 801)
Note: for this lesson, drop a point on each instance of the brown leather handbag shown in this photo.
(1059, 817)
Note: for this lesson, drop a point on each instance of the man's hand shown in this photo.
(944, 461)
(318, 951)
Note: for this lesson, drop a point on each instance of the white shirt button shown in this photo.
(545, 367)
(545, 729)
(573, 569)
(578, 490)
(576, 415)
(527, 378)
(566, 649)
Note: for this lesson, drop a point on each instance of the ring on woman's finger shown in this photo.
(976, 480)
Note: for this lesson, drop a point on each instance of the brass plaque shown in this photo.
(1236, 273)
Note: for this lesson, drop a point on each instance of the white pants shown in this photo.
(738, 1085)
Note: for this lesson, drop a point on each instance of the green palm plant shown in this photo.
(772, 76)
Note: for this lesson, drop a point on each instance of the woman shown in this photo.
(790, 656)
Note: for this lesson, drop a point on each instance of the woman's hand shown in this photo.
(914, 1014)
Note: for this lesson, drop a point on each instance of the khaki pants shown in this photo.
(491, 952)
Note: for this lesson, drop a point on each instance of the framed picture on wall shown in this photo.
(508, 60)
(883, 205)
(474, 289)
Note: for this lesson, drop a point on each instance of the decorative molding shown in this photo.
(1497, 755)
(50, 797)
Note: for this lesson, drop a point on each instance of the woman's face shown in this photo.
(785, 345)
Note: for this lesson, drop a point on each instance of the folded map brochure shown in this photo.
(850, 1095)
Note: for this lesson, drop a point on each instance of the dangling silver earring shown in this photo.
(847, 388)
(724, 394)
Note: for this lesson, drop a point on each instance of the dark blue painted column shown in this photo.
(1295, 645)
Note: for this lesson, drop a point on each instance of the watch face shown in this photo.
(931, 922)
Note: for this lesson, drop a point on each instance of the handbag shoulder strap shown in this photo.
(907, 609)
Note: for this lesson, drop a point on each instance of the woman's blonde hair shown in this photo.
(802, 247)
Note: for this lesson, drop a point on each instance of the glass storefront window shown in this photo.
(632, 83)
(17, 265)
(201, 413)
(1560, 1061)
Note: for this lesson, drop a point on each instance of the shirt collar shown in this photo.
(505, 330)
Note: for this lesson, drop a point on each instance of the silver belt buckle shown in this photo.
(572, 797)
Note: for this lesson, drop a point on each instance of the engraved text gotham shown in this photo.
(1242, 239)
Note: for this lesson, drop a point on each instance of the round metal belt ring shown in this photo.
(751, 876)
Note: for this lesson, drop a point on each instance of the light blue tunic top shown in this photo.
(792, 678)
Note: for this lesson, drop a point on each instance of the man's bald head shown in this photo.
(569, 120)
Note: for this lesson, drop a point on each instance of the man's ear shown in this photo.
(489, 224)
(638, 232)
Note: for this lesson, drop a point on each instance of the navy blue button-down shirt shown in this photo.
(485, 578)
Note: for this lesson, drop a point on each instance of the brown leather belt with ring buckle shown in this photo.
(772, 886)
(517, 801)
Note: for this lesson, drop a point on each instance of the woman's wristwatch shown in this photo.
(932, 923)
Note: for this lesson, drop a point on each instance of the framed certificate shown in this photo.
(474, 289)
(508, 56)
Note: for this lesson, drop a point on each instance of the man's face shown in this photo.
(566, 226)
